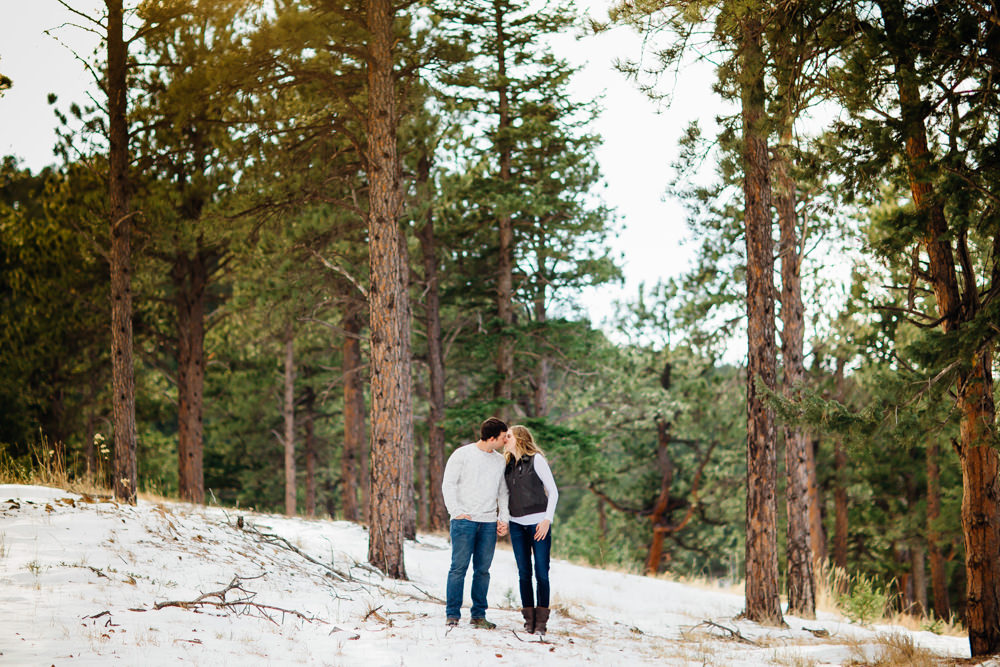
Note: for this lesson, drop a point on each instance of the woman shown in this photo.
(532, 502)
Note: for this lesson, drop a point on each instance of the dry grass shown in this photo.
(47, 466)
(892, 650)
(793, 659)
(831, 582)
(952, 627)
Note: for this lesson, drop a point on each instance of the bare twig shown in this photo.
(242, 604)
(277, 540)
(730, 633)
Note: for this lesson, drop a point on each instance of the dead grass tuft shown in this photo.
(793, 659)
(891, 650)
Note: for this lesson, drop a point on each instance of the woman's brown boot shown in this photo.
(541, 618)
(529, 619)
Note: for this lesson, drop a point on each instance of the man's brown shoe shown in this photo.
(482, 624)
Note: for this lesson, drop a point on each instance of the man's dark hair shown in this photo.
(491, 428)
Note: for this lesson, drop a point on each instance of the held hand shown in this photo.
(501, 528)
(463, 516)
(542, 530)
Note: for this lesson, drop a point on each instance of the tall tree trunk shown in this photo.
(309, 425)
(801, 582)
(190, 278)
(763, 603)
(288, 413)
(354, 415)
(939, 580)
(503, 389)
(840, 482)
(974, 385)
(666, 466)
(122, 367)
(918, 569)
(391, 411)
(541, 395)
(817, 531)
(437, 512)
(980, 503)
(420, 483)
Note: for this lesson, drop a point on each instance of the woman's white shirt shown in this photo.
(548, 481)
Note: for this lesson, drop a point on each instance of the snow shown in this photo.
(80, 578)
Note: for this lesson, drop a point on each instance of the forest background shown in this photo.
(249, 193)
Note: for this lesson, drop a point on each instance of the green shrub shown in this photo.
(865, 602)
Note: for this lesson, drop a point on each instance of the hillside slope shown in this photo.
(89, 582)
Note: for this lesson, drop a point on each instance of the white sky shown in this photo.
(640, 141)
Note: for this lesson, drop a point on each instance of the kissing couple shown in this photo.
(488, 494)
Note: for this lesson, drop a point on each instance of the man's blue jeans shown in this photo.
(473, 540)
(523, 543)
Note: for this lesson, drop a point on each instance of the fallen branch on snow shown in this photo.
(241, 605)
(730, 633)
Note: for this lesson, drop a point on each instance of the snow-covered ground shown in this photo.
(81, 578)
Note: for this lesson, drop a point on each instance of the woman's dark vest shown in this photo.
(527, 493)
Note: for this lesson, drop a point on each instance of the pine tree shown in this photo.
(931, 140)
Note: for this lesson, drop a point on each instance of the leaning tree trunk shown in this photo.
(391, 411)
(503, 389)
(122, 368)
(659, 513)
(801, 582)
(763, 603)
(974, 384)
(288, 413)
(354, 415)
(939, 578)
(190, 277)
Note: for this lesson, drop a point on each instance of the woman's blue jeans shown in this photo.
(475, 540)
(522, 540)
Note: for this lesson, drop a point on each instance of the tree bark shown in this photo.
(840, 483)
(763, 603)
(939, 579)
(919, 571)
(391, 411)
(666, 466)
(288, 413)
(309, 426)
(974, 385)
(801, 582)
(354, 415)
(817, 531)
(541, 394)
(119, 195)
(503, 389)
(190, 278)
(420, 483)
(437, 512)
(980, 502)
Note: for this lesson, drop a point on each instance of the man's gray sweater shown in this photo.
(473, 484)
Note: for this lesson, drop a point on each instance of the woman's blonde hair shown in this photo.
(524, 443)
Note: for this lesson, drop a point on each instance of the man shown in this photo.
(475, 494)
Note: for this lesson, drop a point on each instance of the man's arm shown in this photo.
(449, 483)
(503, 501)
